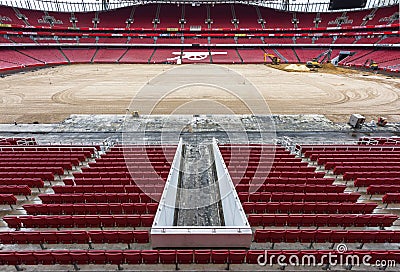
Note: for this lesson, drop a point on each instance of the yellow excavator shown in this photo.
(275, 60)
(313, 64)
(372, 64)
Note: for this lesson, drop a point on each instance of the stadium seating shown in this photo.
(136, 257)
(80, 221)
(114, 19)
(45, 55)
(195, 16)
(136, 55)
(224, 56)
(308, 207)
(108, 55)
(169, 16)
(325, 236)
(91, 208)
(322, 220)
(79, 55)
(74, 237)
(391, 198)
(164, 55)
(252, 55)
(307, 54)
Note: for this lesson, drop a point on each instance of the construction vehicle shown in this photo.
(275, 60)
(371, 64)
(316, 63)
(313, 64)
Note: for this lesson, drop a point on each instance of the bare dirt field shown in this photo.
(51, 95)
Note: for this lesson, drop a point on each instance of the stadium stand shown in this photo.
(225, 56)
(251, 55)
(115, 19)
(144, 16)
(196, 16)
(45, 55)
(101, 201)
(108, 55)
(86, 205)
(169, 16)
(79, 55)
(248, 20)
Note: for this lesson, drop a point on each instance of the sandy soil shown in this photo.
(51, 95)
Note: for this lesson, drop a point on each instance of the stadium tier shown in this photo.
(153, 16)
(166, 25)
(102, 204)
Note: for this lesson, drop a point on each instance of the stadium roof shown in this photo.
(97, 5)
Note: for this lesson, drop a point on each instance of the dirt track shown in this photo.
(51, 95)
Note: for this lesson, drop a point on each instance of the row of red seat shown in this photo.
(365, 182)
(338, 160)
(19, 175)
(370, 174)
(98, 198)
(51, 148)
(352, 154)
(73, 189)
(325, 236)
(382, 189)
(125, 170)
(340, 166)
(308, 207)
(15, 190)
(75, 237)
(237, 156)
(39, 155)
(145, 184)
(33, 159)
(79, 221)
(54, 170)
(378, 140)
(18, 141)
(34, 165)
(91, 208)
(308, 149)
(391, 198)
(321, 220)
(120, 174)
(145, 151)
(301, 188)
(205, 256)
(30, 182)
(285, 181)
(83, 155)
(287, 168)
(341, 170)
(122, 162)
(297, 197)
(8, 199)
(160, 158)
(277, 174)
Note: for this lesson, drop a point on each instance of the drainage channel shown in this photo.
(198, 199)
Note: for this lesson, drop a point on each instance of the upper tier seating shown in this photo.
(169, 16)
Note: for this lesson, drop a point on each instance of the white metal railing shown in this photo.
(166, 208)
(96, 5)
(232, 208)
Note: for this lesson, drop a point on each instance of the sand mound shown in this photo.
(329, 66)
(295, 67)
